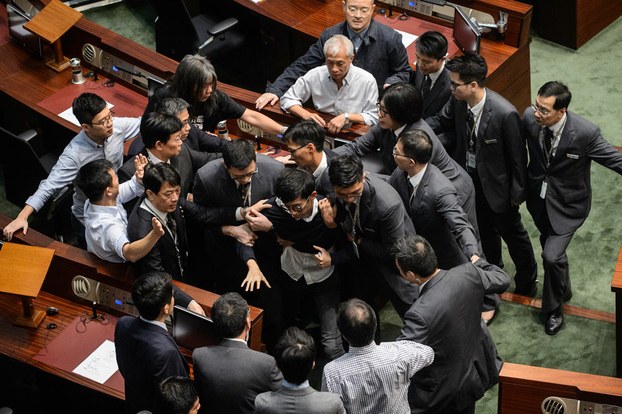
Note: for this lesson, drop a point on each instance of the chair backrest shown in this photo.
(176, 36)
(22, 167)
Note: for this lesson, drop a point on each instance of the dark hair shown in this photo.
(471, 67)
(345, 170)
(86, 106)
(295, 354)
(417, 145)
(172, 106)
(559, 91)
(93, 178)
(229, 314)
(156, 126)
(158, 174)
(357, 322)
(432, 44)
(403, 102)
(151, 292)
(415, 254)
(294, 183)
(177, 395)
(238, 153)
(193, 73)
(306, 132)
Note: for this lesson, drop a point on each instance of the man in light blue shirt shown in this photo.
(105, 217)
(102, 137)
(338, 88)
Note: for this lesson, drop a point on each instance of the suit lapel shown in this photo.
(441, 274)
(421, 189)
(565, 140)
(484, 120)
(230, 189)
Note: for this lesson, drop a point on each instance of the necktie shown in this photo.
(172, 225)
(243, 189)
(548, 142)
(470, 129)
(411, 189)
(425, 88)
(356, 42)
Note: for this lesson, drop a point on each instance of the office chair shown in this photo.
(179, 34)
(23, 170)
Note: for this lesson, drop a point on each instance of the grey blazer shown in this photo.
(447, 317)
(229, 376)
(501, 154)
(299, 401)
(437, 216)
(569, 193)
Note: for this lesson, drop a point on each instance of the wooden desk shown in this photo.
(522, 388)
(616, 288)
(508, 58)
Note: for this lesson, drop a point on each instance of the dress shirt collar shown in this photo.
(362, 35)
(558, 127)
(291, 386)
(347, 80)
(323, 165)
(85, 137)
(237, 340)
(360, 350)
(156, 323)
(477, 109)
(434, 75)
(147, 205)
(153, 159)
(398, 131)
(415, 180)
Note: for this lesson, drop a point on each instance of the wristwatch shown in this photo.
(346, 116)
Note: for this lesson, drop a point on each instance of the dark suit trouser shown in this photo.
(555, 261)
(507, 225)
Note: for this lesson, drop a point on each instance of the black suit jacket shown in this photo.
(437, 216)
(230, 375)
(447, 317)
(569, 193)
(501, 158)
(439, 94)
(383, 220)
(146, 355)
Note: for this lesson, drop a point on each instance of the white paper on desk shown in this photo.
(100, 365)
(407, 38)
(67, 114)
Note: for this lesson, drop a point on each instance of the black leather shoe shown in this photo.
(553, 323)
(530, 291)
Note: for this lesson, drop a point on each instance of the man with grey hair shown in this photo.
(338, 88)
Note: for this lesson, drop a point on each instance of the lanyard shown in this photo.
(473, 134)
(556, 138)
(173, 235)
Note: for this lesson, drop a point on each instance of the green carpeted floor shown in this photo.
(592, 73)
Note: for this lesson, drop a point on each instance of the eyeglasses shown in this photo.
(543, 112)
(353, 10)
(382, 111)
(353, 195)
(105, 120)
(397, 154)
(454, 85)
(293, 150)
(297, 208)
(243, 176)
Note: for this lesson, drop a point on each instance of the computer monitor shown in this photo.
(191, 330)
(466, 34)
(28, 40)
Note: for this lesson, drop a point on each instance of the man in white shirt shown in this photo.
(338, 88)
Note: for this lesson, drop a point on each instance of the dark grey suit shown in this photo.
(146, 355)
(384, 140)
(215, 190)
(437, 216)
(438, 95)
(293, 401)
(230, 375)
(447, 317)
(568, 196)
(383, 220)
(499, 177)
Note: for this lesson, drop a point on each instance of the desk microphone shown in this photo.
(94, 316)
(118, 68)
